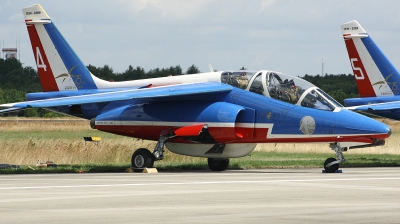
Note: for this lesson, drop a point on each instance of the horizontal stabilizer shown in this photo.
(377, 107)
(10, 110)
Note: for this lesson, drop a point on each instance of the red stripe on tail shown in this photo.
(364, 85)
(43, 66)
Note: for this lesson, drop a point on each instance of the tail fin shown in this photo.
(58, 66)
(374, 73)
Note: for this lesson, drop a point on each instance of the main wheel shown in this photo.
(218, 164)
(142, 158)
(332, 168)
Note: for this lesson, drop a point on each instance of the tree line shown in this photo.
(17, 80)
(339, 86)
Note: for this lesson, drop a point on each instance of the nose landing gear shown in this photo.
(331, 165)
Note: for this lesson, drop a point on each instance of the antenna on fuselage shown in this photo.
(210, 67)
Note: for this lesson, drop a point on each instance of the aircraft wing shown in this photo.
(156, 93)
(377, 106)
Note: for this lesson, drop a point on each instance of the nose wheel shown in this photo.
(331, 165)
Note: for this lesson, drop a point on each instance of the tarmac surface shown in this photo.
(358, 195)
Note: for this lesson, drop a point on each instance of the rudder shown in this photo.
(63, 71)
(373, 72)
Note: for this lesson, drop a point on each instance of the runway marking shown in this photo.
(196, 183)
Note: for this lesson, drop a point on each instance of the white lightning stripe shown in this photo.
(161, 123)
(179, 124)
(372, 70)
(268, 126)
(246, 125)
(55, 61)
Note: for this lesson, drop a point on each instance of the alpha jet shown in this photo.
(215, 115)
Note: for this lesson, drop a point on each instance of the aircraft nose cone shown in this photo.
(382, 128)
(357, 124)
(389, 132)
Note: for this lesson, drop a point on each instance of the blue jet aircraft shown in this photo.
(376, 78)
(215, 115)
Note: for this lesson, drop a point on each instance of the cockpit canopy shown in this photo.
(283, 87)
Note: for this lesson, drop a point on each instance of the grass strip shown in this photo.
(258, 160)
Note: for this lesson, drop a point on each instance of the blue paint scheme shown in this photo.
(229, 107)
(180, 111)
(383, 106)
(213, 102)
(351, 102)
(57, 94)
(382, 62)
(78, 71)
(282, 114)
(168, 93)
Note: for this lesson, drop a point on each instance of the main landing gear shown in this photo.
(218, 164)
(331, 165)
(142, 158)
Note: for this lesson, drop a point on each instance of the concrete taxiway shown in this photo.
(358, 195)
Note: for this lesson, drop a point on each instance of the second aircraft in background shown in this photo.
(378, 81)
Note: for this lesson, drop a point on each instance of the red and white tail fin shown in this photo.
(59, 68)
(374, 73)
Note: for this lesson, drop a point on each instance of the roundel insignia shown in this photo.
(269, 115)
(307, 125)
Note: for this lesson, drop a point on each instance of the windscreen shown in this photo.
(298, 91)
(314, 99)
(237, 79)
(286, 88)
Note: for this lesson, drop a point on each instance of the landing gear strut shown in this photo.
(159, 149)
(331, 165)
(142, 157)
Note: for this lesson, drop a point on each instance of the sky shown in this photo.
(289, 36)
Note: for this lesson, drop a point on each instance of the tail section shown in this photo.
(58, 66)
(374, 73)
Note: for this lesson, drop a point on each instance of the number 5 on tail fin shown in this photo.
(374, 73)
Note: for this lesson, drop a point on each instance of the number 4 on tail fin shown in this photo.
(39, 60)
(57, 63)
